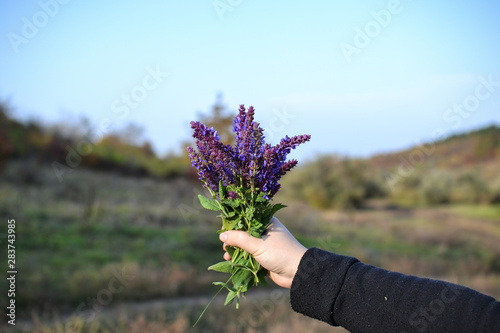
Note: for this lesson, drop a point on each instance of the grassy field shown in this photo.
(75, 237)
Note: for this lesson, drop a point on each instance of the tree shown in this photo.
(6, 147)
(221, 120)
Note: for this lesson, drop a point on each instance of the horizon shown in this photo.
(69, 129)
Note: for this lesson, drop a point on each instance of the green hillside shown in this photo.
(460, 169)
(69, 146)
(465, 149)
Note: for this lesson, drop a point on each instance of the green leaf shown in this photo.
(256, 224)
(261, 276)
(256, 229)
(242, 278)
(269, 212)
(224, 284)
(276, 207)
(230, 297)
(208, 203)
(218, 283)
(229, 215)
(224, 267)
(249, 213)
(229, 223)
(258, 214)
(255, 233)
(240, 225)
(222, 191)
(232, 203)
(260, 197)
(242, 264)
(230, 250)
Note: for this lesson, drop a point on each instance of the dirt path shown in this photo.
(117, 309)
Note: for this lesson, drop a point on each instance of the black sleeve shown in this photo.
(342, 291)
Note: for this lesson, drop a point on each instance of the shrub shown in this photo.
(333, 182)
(469, 188)
(436, 187)
(407, 189)
(494, 193)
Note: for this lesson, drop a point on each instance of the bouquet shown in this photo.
(242, 181)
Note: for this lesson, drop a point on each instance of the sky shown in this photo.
(361, 77)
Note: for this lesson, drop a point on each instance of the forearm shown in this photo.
(343, 291)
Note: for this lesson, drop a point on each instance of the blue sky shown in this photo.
(360, 77)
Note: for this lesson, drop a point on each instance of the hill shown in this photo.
(68, 146)
(462, 168)
(465, 149)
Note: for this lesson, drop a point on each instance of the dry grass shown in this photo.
(74, 233)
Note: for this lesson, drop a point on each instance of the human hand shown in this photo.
(277, 251)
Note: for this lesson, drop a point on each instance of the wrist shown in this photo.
(299, 253)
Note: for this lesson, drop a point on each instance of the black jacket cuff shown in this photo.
(317, 283)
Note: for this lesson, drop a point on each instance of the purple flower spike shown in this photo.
(250, 163)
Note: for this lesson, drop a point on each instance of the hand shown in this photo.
(277, 251)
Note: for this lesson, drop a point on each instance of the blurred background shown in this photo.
(401, 98)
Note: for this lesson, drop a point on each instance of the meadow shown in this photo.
(103, 252)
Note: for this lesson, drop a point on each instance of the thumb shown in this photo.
(242, 240)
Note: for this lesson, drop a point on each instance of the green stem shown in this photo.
(206, 307)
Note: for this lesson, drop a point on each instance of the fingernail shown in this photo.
(223, 237)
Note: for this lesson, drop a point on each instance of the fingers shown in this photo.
(226, 255)
(241, 239)
(246, 242)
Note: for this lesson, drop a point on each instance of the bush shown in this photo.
(407, 189)
(332, 182)
(494, 192)
(435, 187)
(469, 188)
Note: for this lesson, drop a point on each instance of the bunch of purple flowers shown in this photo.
(241, 180)
(252, 163)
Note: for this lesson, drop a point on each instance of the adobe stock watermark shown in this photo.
(188, 211)
(31, 26)
(88, 310)
(454, 116)
(120, 108)
(278, 123)
(221, 7)
(425, 316)
(372, 29)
